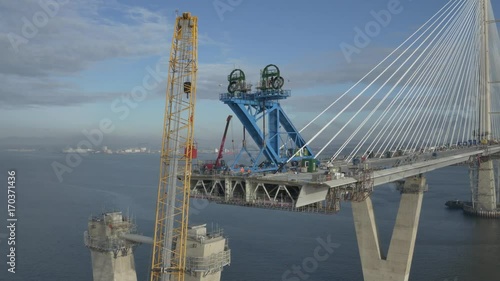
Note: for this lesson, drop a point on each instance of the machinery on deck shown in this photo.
(237, 82)
(171, 222)
(277, 139)
(219, 162)
(271, 79)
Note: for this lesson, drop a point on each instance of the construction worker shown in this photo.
(242, 170)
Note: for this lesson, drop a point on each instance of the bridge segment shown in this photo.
(317, 192)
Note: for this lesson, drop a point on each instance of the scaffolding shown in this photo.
(363, 188)
(211, 264)
(105, 234)
(115, 245)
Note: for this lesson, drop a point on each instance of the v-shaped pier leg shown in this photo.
(395, 266)
(486, 191)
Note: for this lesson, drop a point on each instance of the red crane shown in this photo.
(219, 162)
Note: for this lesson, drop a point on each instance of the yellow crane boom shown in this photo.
(172, 206)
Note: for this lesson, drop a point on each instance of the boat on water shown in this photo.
(455, 204)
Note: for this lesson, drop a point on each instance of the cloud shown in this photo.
(76, 35)
(330, 67)
(80, 34)
(21, 91)
(311, 70)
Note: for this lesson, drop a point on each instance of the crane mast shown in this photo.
(172, 206)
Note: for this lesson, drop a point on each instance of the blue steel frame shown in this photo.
(280, 140)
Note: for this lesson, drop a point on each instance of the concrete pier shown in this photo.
(486, 191)
(395, 266)
(112, 256)
(207, 254)
(111, 238)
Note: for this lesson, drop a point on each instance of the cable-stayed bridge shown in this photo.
(434, 101)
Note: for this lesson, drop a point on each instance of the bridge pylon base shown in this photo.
(395, 266)
(486, 191)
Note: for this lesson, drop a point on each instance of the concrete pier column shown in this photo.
(395, 266)
(228, 194)
(486, 192)
(249, 191)
(112, 256)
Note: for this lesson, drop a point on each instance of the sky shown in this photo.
(65, 65)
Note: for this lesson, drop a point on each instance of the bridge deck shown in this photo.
(317, 192)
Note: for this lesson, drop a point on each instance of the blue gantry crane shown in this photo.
(276, 137)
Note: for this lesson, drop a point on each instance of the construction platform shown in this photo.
(296, 192)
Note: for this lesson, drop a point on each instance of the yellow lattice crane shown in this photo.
(171, 223)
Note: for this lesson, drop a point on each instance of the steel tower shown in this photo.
(276, 138)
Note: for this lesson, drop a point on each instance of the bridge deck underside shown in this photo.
(259, 193)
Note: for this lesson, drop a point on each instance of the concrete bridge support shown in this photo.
(112, 256)
(486, 192)
(249, 191)
(395, 266)
(228, 191)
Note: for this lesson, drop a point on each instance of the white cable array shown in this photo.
(447, 91)
(364, 77)
(446, 20)
(425, 119)
(381, 87)
(427, 93)
(400, 106)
